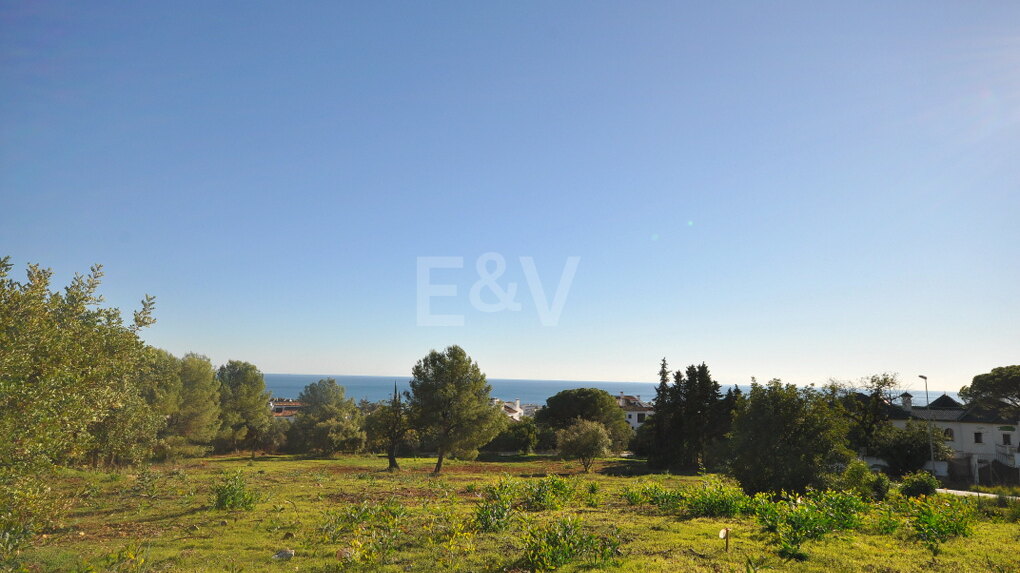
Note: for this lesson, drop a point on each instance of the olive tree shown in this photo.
(584, 440)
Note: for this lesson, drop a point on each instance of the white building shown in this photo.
(978, 436)
(513, 410)
(634, 409)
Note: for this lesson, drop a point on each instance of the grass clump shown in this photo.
(233, 492)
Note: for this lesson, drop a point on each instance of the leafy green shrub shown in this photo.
(880, 487)
(563, 541)
(27, 507)
(858, 478)
(592, 495)
(714, 499)
(233, 492)
(885, 520)
(793, 521)
(506, 489)
(936, 519)
(633, 496)
(494, 515)
(842, 510)
(147, 483)
(549, 493)
(918, 484)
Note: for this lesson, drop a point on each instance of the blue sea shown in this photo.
(375, 388)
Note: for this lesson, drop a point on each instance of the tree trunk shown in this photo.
(439, 464)
(392, 453)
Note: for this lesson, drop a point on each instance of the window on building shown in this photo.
(278, 410)
(641, 419)
(1007, 440)
(949, 434)
(979, 438)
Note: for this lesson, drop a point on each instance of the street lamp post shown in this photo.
(931, 440)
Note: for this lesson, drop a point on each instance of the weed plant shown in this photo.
(233, 492)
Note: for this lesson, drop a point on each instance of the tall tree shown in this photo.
(691, 416)
(594, 404)
(785, 438)
(328, 422)
(450, 402)
(195, 423)
(867, 409)
(387, 426)
(998, 390)
(63, 361)
(244, 405)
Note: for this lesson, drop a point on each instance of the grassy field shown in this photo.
(349, 514)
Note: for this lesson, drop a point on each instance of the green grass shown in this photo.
(349, 514)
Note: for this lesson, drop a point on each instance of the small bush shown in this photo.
(633, 496)
(918, 484)
(235, 493)
(548, 493)
(936, 519)
(506, 489)
(842, 510)
(714, 499)
(592, 494)
(561, 542)
(494, 515)
(793, 521)
(880, 487)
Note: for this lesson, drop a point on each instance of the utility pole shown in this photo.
(927, 408)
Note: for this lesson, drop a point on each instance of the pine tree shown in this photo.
(197, 420)
(244, 406)
(450, 402)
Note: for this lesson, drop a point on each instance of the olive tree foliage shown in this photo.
(786, 438)
(997, 390)
(244, 407)
(328, 423)
(594, 404)
(65, 363)
(450, 403)
(584, 440)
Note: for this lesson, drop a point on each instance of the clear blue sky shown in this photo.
(793, 190)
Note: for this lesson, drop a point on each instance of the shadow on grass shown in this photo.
(513, 458)
(625, 467)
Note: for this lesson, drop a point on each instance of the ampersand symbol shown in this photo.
(488, 279)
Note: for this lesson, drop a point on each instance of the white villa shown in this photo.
(513, 410)
(634, 409)
(984, 442)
